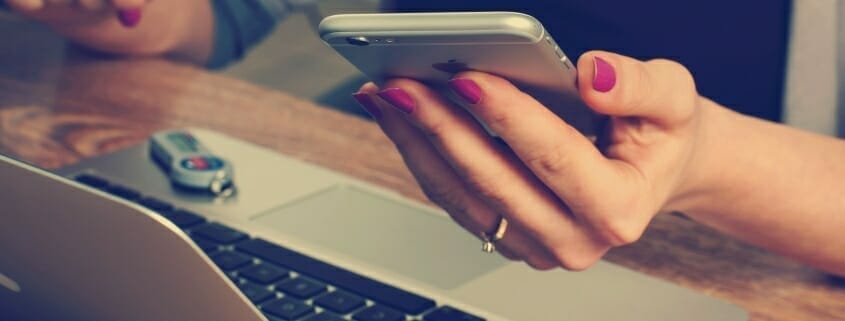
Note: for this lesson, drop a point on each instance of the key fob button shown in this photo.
(202, 163)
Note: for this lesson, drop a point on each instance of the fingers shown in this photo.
(657, 90)
(562, 158)
(26, 5)
(442, 186)
(90, 5)
(493, 173)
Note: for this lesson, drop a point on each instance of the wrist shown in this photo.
(706, 171)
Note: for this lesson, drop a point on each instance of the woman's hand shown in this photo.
(567, 201)
(77, 13)
(178, 29)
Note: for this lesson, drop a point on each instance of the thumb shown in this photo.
(658, 90)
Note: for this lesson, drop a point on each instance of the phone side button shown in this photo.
(559, 53)
(565, 62)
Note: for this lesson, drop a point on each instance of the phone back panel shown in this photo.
(432, 47)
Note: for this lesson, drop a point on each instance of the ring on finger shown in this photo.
(489, 239)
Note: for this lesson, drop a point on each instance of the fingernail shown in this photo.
(129, 18)
(399, 99)
(604, 76)
(467, 89)
(368, 104)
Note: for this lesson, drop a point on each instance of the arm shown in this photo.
(773, 186)
(666, 149)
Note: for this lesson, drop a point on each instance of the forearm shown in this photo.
(180, 29)
(771, 185)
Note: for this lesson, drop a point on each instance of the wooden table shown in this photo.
(54, 114)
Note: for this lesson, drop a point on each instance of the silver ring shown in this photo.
(489, 239)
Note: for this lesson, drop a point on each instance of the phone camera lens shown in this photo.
(358, 41)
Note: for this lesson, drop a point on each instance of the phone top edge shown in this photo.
(434, 23)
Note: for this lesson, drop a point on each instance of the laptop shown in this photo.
(111, 239)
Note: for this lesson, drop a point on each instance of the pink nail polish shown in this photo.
(368, 104)
(467, 89)
(399, 99)
(604, 76)
(129, 18)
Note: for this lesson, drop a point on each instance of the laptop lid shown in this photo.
(68, 252)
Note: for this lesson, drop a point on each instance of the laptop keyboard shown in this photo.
(286, 285)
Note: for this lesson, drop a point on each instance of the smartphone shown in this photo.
(432, 47)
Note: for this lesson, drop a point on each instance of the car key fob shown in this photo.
(191, 165)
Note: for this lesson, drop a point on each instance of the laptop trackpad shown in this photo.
(389, 234)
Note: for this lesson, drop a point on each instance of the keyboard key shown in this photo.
(124, 192)
(256, 293)
(301, 288)
(287, 308)
(378, 313)
(263, 273)
(228, 261)
(183, 219)
(219, 233)
(155, 204)
(391, 296)
(207, 246)
(271, 317)
(92, 181)
(340, 302)
(447, 313)
(325, 316)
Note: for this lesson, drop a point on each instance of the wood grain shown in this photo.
(85, 107)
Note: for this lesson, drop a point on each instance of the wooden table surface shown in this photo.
(54, 114)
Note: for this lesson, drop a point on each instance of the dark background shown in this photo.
(735, 49)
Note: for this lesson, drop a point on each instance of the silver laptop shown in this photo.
(111, 239)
